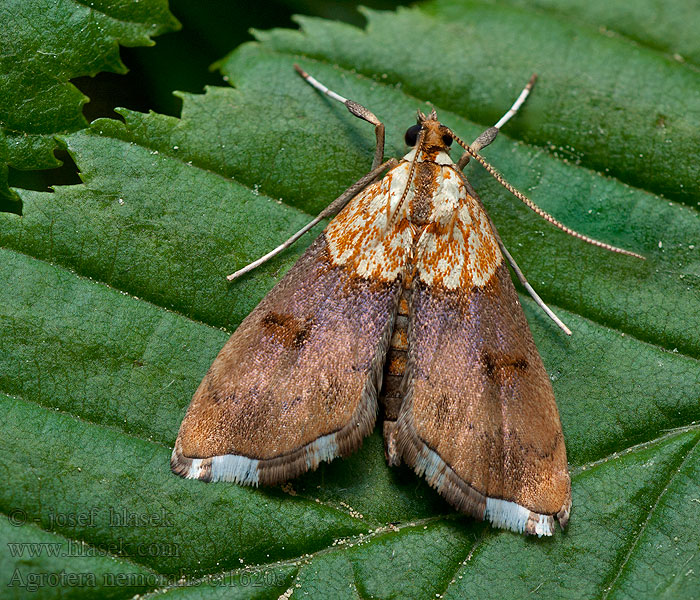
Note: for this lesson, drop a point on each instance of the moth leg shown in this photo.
(331, 210)
(356, 109)
(490, 134)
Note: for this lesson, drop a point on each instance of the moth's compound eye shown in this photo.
(412, 135)
(447, 140)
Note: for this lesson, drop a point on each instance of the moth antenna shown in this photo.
(334, 207)
(283, 246)
(531, 205)
(519, 274)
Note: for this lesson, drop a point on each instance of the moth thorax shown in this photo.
(426, 181)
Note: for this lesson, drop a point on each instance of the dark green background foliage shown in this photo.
(114, 301)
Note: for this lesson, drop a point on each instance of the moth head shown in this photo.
(436, 135)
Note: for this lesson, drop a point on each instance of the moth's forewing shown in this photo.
(479, 418)
(297, 382)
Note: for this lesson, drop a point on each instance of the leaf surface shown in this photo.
(117, 299)
(44, 44)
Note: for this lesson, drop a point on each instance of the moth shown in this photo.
(404, 303)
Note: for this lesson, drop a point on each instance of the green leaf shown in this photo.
(669, 27)
(38, 563)
(600, 97)
(117, 297)
(44, 44)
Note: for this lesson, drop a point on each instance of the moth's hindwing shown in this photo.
(297, 382)
(479, 419)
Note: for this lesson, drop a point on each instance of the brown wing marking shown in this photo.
(479, 418)
(297, 382)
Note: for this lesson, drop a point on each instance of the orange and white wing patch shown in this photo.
(458, 249)
(367, 236)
